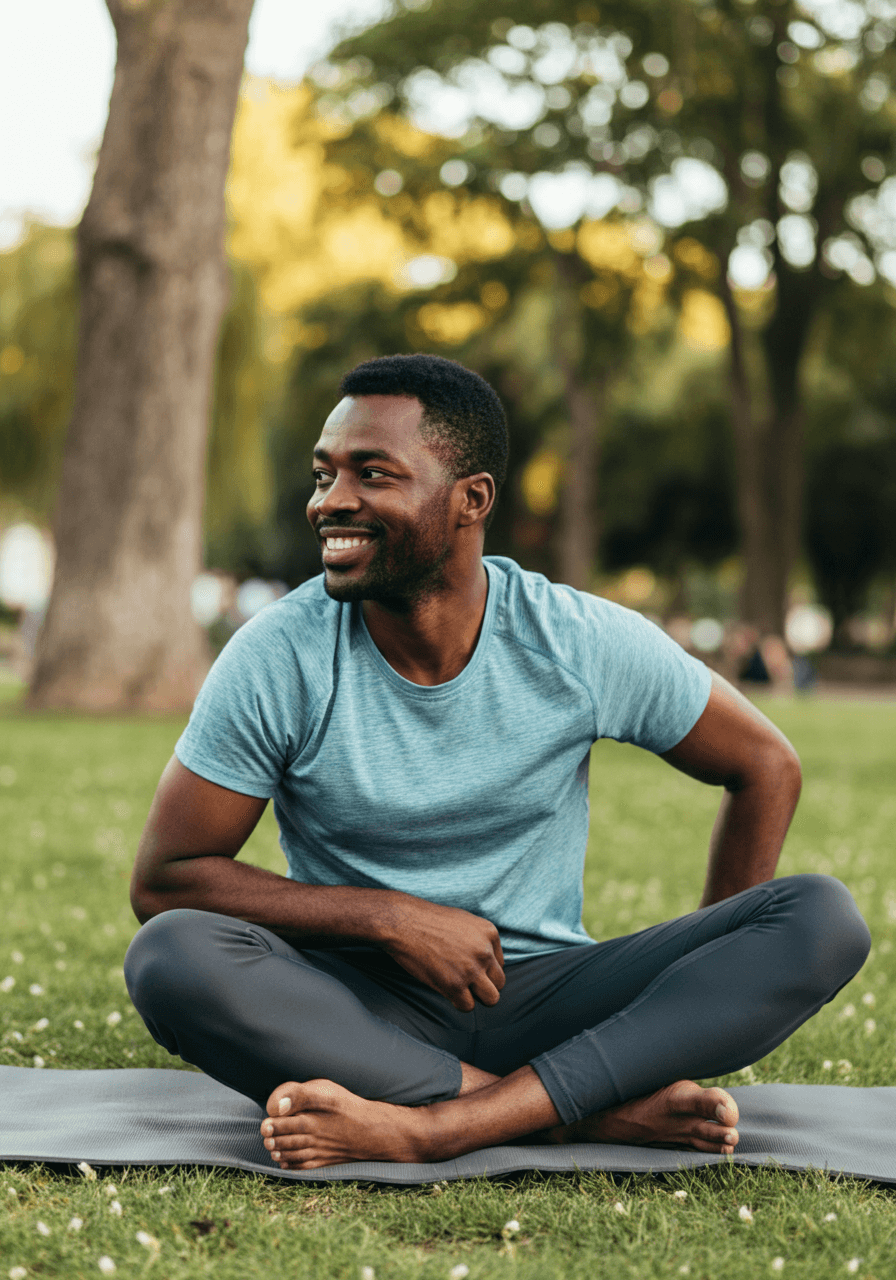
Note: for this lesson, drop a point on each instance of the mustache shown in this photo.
(333, 527)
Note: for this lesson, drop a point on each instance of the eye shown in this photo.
(320, 478)
(374, 472)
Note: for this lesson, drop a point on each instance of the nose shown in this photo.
(340, 494)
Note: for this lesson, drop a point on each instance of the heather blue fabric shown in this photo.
(472, 793)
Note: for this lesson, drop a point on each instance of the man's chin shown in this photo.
(342, 587)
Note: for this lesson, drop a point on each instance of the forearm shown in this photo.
(310, 915)
(749, 832)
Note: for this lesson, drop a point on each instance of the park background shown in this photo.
(666, 232)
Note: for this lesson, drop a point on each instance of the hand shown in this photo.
(451, 950)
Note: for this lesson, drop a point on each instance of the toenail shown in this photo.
(267, 1127)
(721, 1111)
(285, 1104)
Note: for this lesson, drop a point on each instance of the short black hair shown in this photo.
(463, 420)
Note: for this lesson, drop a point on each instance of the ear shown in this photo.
(477, 497)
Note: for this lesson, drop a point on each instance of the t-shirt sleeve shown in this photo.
(242, 731)
(649, 690)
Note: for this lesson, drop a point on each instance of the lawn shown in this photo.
(73, 797)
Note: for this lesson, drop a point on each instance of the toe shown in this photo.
(282, 1100)
(724, 1107)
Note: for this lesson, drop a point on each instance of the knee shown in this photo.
(834, 936)
(165, 954)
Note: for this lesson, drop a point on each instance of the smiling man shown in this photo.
(420, 984)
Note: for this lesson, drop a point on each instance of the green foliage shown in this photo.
(68, 846)
(38, 336)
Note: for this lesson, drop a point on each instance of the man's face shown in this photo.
(381, 504)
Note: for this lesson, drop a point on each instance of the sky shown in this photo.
(56, 63)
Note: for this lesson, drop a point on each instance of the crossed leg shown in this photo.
(385, 1076)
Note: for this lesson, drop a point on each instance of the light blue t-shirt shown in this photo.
(472, 793)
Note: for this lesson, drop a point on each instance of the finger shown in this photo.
(485, 991)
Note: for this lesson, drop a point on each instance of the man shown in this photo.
(421, 985)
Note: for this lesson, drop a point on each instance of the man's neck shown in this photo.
(434, 640)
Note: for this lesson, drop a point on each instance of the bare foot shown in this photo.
(681, 1115)
(320, 1123)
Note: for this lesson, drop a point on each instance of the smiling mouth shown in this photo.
(344, 544)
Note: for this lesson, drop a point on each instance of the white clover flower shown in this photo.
(12, 1193)
(110, 1189)
(7, 984)
(848, 1011)
(17, 1036)
(870, 1026)
(620, 1207)
(18, 1273)
(76, 1224)
(869, 998)
(368, 1273)
(88, 1171)
(844, 1066)
(41, 1024)
(684, 1269)
(164, 1190)
(36, 989)
(42, 1229)
(745, 1214)
(113, 1019)
(17, 957)
(78, 1024)
(148, 1241)
(38, 1060)
(679, 1195)
(830, 1217)
(106, 1265)
(777, 1264)
(853, 1264)
(459, 1272)
(827, 1065)
(115, 1208)
(60, 965)
(510, 1227)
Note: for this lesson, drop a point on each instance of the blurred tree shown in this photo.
(851, 525)
(463, 208)
(153, 286)
(38, 324)
(756, 133)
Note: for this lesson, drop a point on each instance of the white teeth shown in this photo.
(343, 544)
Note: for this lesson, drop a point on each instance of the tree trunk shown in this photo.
(577, 528)
(768, 442)
(118, 633)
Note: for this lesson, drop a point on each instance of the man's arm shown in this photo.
(187, 858)
(735, 746)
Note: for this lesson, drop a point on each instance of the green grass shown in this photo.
(73, 797)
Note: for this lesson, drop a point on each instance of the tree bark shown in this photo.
(768, 442)
(119, 633)
(585, 395)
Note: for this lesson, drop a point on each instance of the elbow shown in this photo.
(144, 901)
(778, 769)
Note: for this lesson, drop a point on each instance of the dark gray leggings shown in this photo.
(698, 996)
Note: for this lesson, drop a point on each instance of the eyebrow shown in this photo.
(357, 455)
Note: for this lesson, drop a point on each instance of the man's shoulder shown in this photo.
(531, 603)
(304, 621)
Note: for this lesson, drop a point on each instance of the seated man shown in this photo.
(420, 985)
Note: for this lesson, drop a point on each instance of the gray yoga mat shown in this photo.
(169, 1117)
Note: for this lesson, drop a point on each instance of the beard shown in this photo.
(401, 574)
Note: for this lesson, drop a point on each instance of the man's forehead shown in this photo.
(376, 425)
